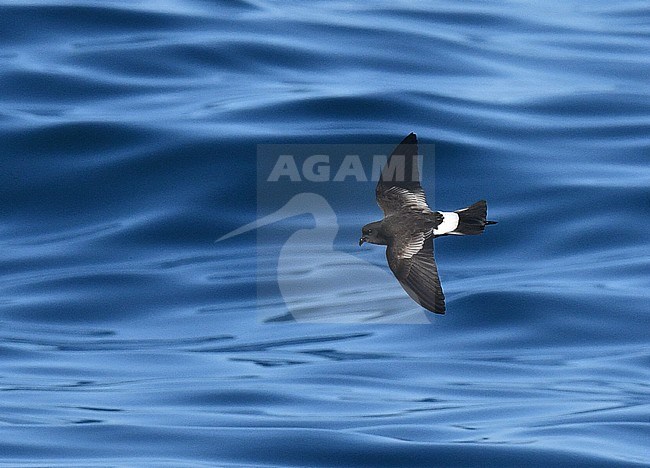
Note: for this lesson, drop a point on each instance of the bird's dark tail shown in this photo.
(472, 220)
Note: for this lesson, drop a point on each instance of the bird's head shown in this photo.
(373, 234)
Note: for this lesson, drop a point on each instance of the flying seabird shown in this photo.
(409, 226)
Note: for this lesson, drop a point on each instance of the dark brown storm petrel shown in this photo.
(409, 226)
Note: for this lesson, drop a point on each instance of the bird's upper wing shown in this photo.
(412, 262)
(399, 183)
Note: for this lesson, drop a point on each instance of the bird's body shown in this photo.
(409, 226)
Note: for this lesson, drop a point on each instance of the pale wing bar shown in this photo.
(399, 186)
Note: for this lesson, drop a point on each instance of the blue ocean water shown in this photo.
(128, 137)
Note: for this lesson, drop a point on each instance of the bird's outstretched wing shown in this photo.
(399, 186)
(412, 262)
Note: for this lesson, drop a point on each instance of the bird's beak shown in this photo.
(361, 241)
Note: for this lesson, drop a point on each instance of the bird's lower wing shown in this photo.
(418, 274)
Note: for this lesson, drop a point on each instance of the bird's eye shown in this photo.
(369, 231)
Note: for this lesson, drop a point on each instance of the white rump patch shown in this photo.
(449, 223)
